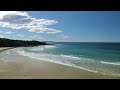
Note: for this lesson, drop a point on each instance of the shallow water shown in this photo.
(95, 57)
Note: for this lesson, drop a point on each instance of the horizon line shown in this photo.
(71, 41)
(83, 41)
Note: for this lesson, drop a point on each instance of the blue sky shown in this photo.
(81, 26)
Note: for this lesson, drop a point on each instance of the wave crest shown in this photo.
(112, 63)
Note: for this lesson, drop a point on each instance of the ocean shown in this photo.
(101, 58)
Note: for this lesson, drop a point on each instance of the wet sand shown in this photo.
(5, 48)
(21, 67)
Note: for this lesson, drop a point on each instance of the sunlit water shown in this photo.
(95, 57)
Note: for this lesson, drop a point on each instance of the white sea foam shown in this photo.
(7, 52)
(50, 46)
(41, 48)
(37, 49)
(70, 56)
(112, 63)
(57, 62)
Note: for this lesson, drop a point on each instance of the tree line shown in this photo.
(4, 42)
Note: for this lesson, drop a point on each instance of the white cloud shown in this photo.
(21, 20)
(9, 32)
(64, 36)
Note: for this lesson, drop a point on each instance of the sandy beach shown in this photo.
(21, 67)
(5, 48)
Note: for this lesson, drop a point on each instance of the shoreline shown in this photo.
(28, 68)
(6, 48)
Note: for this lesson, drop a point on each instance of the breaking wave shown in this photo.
(96, 66)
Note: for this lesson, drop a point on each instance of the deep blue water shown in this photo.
(95, 57)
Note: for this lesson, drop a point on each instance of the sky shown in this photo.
(66, 26)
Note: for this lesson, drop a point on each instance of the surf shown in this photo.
(73, 61)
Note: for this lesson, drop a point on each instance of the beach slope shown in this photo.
(15, 66)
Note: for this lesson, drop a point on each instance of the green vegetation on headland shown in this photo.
(4, 42)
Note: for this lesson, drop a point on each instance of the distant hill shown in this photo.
(4, 42)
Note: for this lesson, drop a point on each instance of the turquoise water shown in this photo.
(95, 57)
